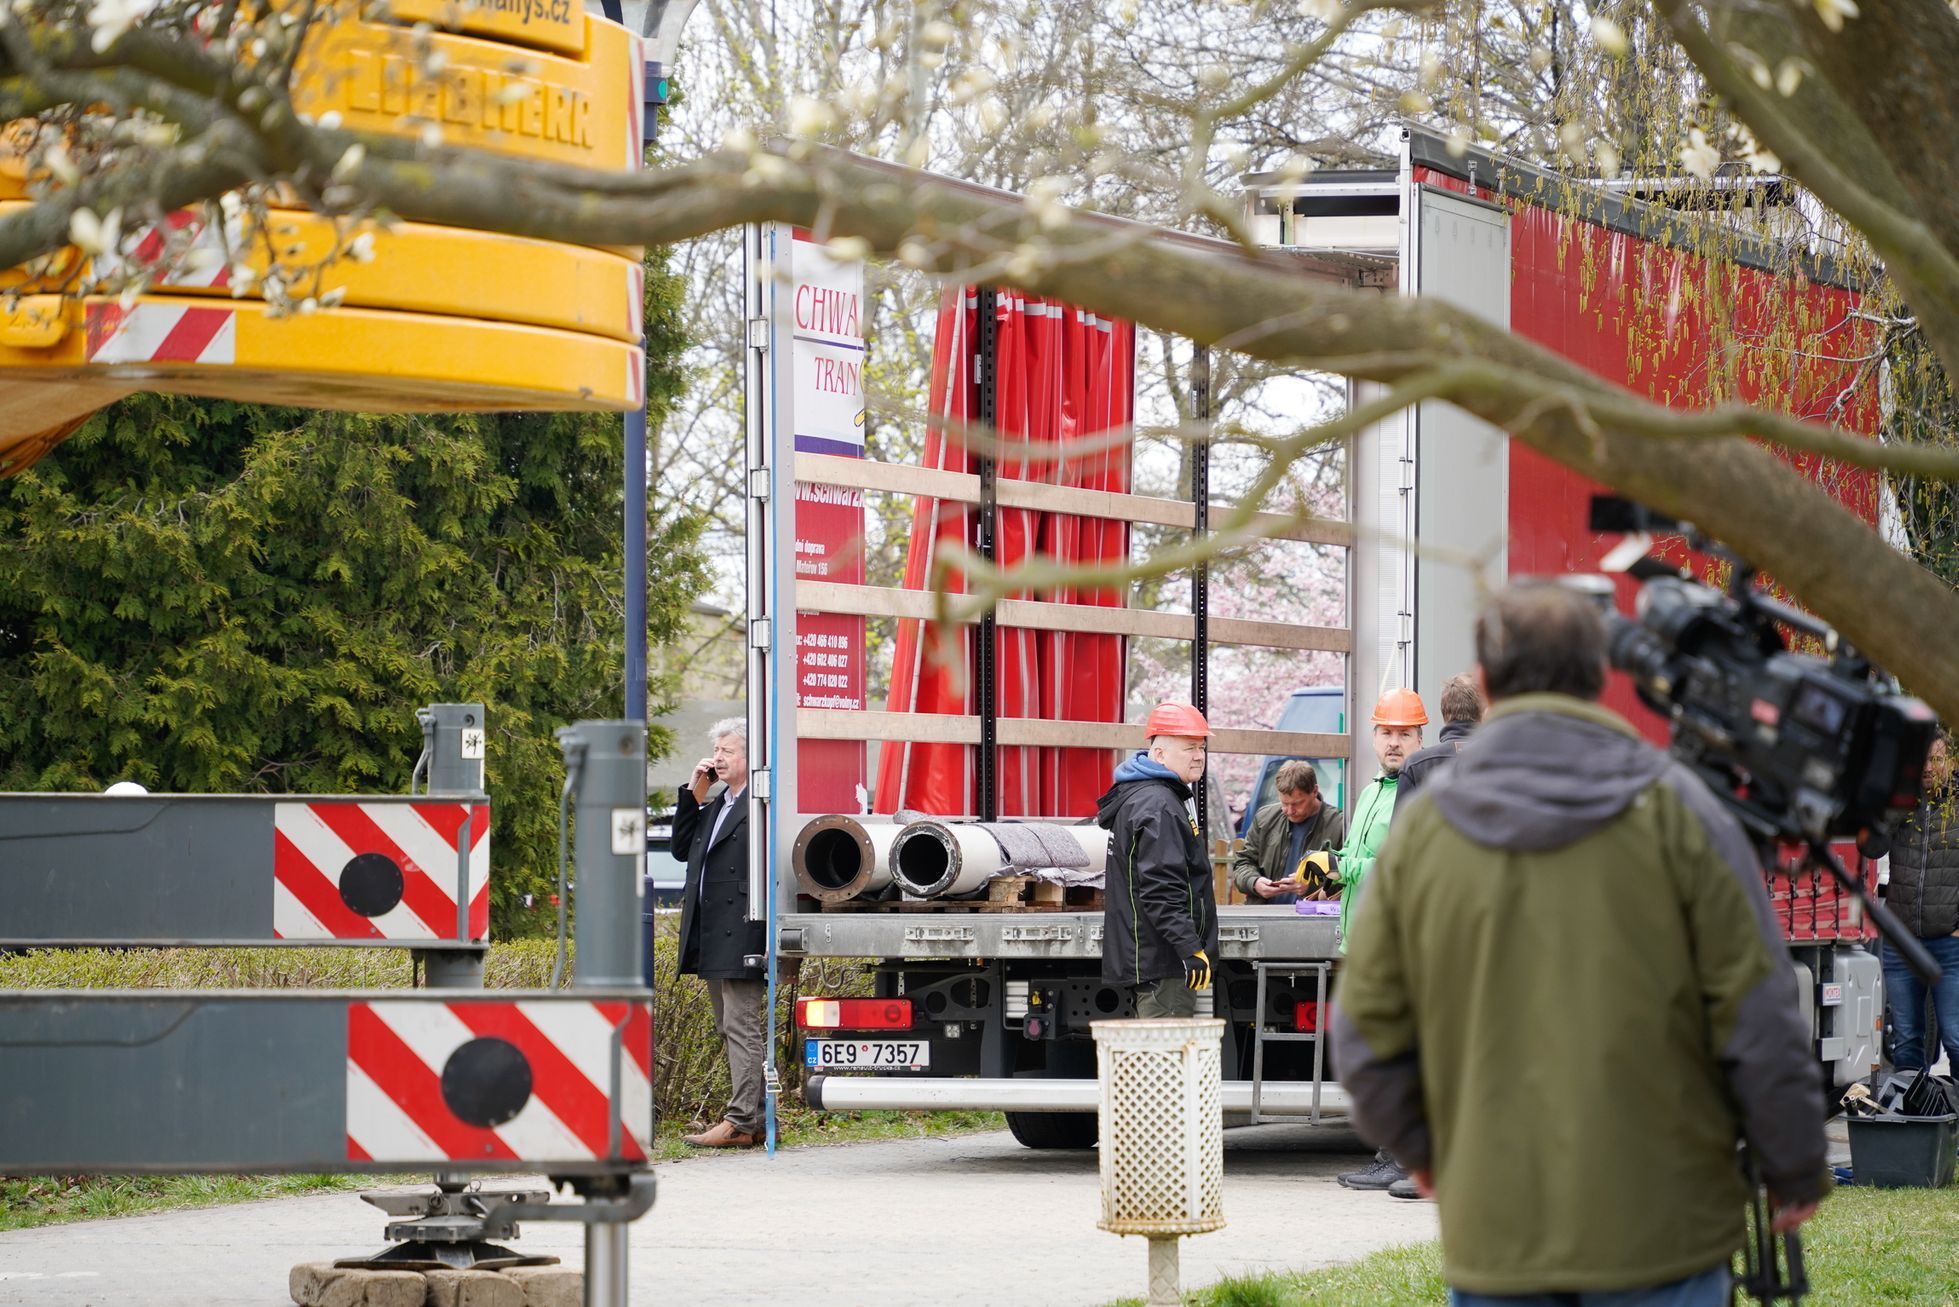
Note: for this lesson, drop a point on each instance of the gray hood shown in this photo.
(1544, 771)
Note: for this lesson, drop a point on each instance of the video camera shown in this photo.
(1803, 747)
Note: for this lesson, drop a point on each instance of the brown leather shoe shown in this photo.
(722, 1134)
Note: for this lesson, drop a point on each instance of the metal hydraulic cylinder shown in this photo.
(454, 741)
(608, 761)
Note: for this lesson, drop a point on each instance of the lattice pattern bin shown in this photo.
(1162, 1126)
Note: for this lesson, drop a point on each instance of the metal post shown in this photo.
(985, 660)
(610, 809)
(609, 805)
(635, 549)
(1200, 578)
(455, 741)
(605, 1265)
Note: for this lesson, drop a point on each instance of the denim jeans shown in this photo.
(1904, 996)
(1708, 1289)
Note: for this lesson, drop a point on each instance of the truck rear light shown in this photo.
(853, 1013)
(1306, 1017)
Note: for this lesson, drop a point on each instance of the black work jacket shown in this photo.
(1159, 906)
(1924, 888)
(1423, 763)
(715, 934)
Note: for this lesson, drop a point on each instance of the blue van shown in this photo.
(1321, 709)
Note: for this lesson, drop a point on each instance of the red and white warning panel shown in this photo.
(539, 1080)
(347, 869)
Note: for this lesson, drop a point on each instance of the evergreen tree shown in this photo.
(209, 597)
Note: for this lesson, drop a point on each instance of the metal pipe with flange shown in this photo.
(839, 857)
(932, 859)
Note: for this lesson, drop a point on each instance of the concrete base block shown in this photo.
(550, 1286)
(473, 1289)
(322, 1284)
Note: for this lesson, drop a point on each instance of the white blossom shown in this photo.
(1608, 159)
(810, 117)
(936, 34)
(330, 120)
(92, 234)
(1697, 156)
(61, 164)
(350, 162)
(361, 248)
(109, 19)
(431, 136)
(1540, 58)
(1788, 77)
(1610, 36)
(1833, 12)
(849, 249)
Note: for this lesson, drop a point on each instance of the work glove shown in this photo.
(1197, 971)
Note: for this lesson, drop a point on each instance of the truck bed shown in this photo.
(1247, 933)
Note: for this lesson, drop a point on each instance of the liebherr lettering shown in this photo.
(501, 102)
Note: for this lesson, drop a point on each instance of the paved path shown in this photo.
(964, 1221)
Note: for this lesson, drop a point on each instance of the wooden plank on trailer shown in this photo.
(963, 487)
(1087, 619)
(1033, 732)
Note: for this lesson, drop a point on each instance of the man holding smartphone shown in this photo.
(716, 936)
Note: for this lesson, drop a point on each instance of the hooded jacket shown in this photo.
(1566, 998)
(1159, 908)
(1425, 761)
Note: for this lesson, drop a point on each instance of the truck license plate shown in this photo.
(866, 1054)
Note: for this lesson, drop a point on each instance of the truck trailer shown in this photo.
(976, 1005)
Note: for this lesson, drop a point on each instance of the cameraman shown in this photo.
(1566, 998)
(1924, 893)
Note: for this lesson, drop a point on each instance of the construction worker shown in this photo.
(1462, 711)
(1272, 864)
(1398, 720)
(1160, 922)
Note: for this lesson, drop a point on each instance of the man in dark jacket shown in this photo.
(1160, 922)
(1283, 833)
(1462, 710)
(1566, 997)
(716, 937)
(1924, 891)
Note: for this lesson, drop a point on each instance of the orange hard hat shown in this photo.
(1400, 707)
(1179, 719)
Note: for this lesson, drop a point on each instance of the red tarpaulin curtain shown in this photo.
(1064, 378)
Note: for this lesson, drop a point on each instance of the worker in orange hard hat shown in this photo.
(1160, 916)
(1398, 721)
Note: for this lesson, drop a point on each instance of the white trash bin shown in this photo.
(1162, 1136)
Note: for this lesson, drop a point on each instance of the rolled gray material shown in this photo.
(838, 857)
(938, 859)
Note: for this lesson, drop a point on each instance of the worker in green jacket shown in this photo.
(1398, 720)
(1566, 998)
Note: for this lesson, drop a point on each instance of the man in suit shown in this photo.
(716, 938)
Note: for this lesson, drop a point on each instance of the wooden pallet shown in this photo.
(1004, 894)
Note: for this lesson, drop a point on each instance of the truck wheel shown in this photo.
(1053, 1129)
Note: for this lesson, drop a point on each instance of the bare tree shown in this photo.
(1859, 106)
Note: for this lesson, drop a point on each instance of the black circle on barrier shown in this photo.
(370, 884)
(486, 1081)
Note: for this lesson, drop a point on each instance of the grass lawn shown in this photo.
(1867, 1246)
(47, 1200)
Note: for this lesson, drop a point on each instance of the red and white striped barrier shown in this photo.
(486, 1080)
(351, 870)
(161, 333)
